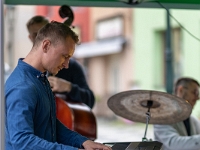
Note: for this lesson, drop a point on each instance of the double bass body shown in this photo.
(77, 117)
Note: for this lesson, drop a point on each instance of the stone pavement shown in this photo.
(121, 131)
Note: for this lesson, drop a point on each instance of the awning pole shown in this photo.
(2, 102)
(169, 58)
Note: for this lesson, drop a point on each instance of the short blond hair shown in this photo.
(55, 31)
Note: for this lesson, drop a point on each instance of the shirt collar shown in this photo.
(31, 69)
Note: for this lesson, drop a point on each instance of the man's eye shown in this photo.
(65, 56)
(34, 35)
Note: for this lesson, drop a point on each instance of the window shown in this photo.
(109, 28)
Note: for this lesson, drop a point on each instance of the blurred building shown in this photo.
(121, 48)
(108, 56)
(149, 40)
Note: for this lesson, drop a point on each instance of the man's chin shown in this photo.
(54, 73)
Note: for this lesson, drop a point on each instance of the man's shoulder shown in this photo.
(12, 83)
(75, 66)
(18, 79)
(74, 62)
(168, 125)
(194, 119)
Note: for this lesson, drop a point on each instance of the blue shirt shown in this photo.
(31, 122)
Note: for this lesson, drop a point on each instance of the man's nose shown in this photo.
(66, 63)
(197, 97)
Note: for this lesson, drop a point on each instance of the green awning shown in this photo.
(180, 4)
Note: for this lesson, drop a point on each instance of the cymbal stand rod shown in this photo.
(148, 116)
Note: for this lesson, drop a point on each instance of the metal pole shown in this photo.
(169, 72)
(10, 15)
(2, 102)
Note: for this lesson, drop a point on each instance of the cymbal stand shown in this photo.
(148, 116)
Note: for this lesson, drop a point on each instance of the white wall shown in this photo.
(21, 43)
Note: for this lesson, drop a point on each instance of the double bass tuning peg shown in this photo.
(66, 13)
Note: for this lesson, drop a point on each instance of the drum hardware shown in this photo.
(148, 145)
(165, 108)
(150, 107)
(148, 116)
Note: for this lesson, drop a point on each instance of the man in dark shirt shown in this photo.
(70, 83)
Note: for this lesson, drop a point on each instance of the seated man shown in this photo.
(183, 135)
(70, 82)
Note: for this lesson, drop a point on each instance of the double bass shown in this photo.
(77, 117)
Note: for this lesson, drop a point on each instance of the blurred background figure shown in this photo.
(183, 135)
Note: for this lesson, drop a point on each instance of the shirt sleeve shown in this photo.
(20, 111)
(171, 139)
(68, 137)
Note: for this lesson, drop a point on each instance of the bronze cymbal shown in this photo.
(165, 108)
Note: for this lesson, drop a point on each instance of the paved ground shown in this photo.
(121, 131)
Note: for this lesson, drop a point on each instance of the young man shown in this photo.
(71, 82)
(183, 135)
(31, 122)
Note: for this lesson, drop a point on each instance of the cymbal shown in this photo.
(164, 108)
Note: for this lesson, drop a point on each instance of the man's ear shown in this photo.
(45, 45)
(180, 90)
(29, 36)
